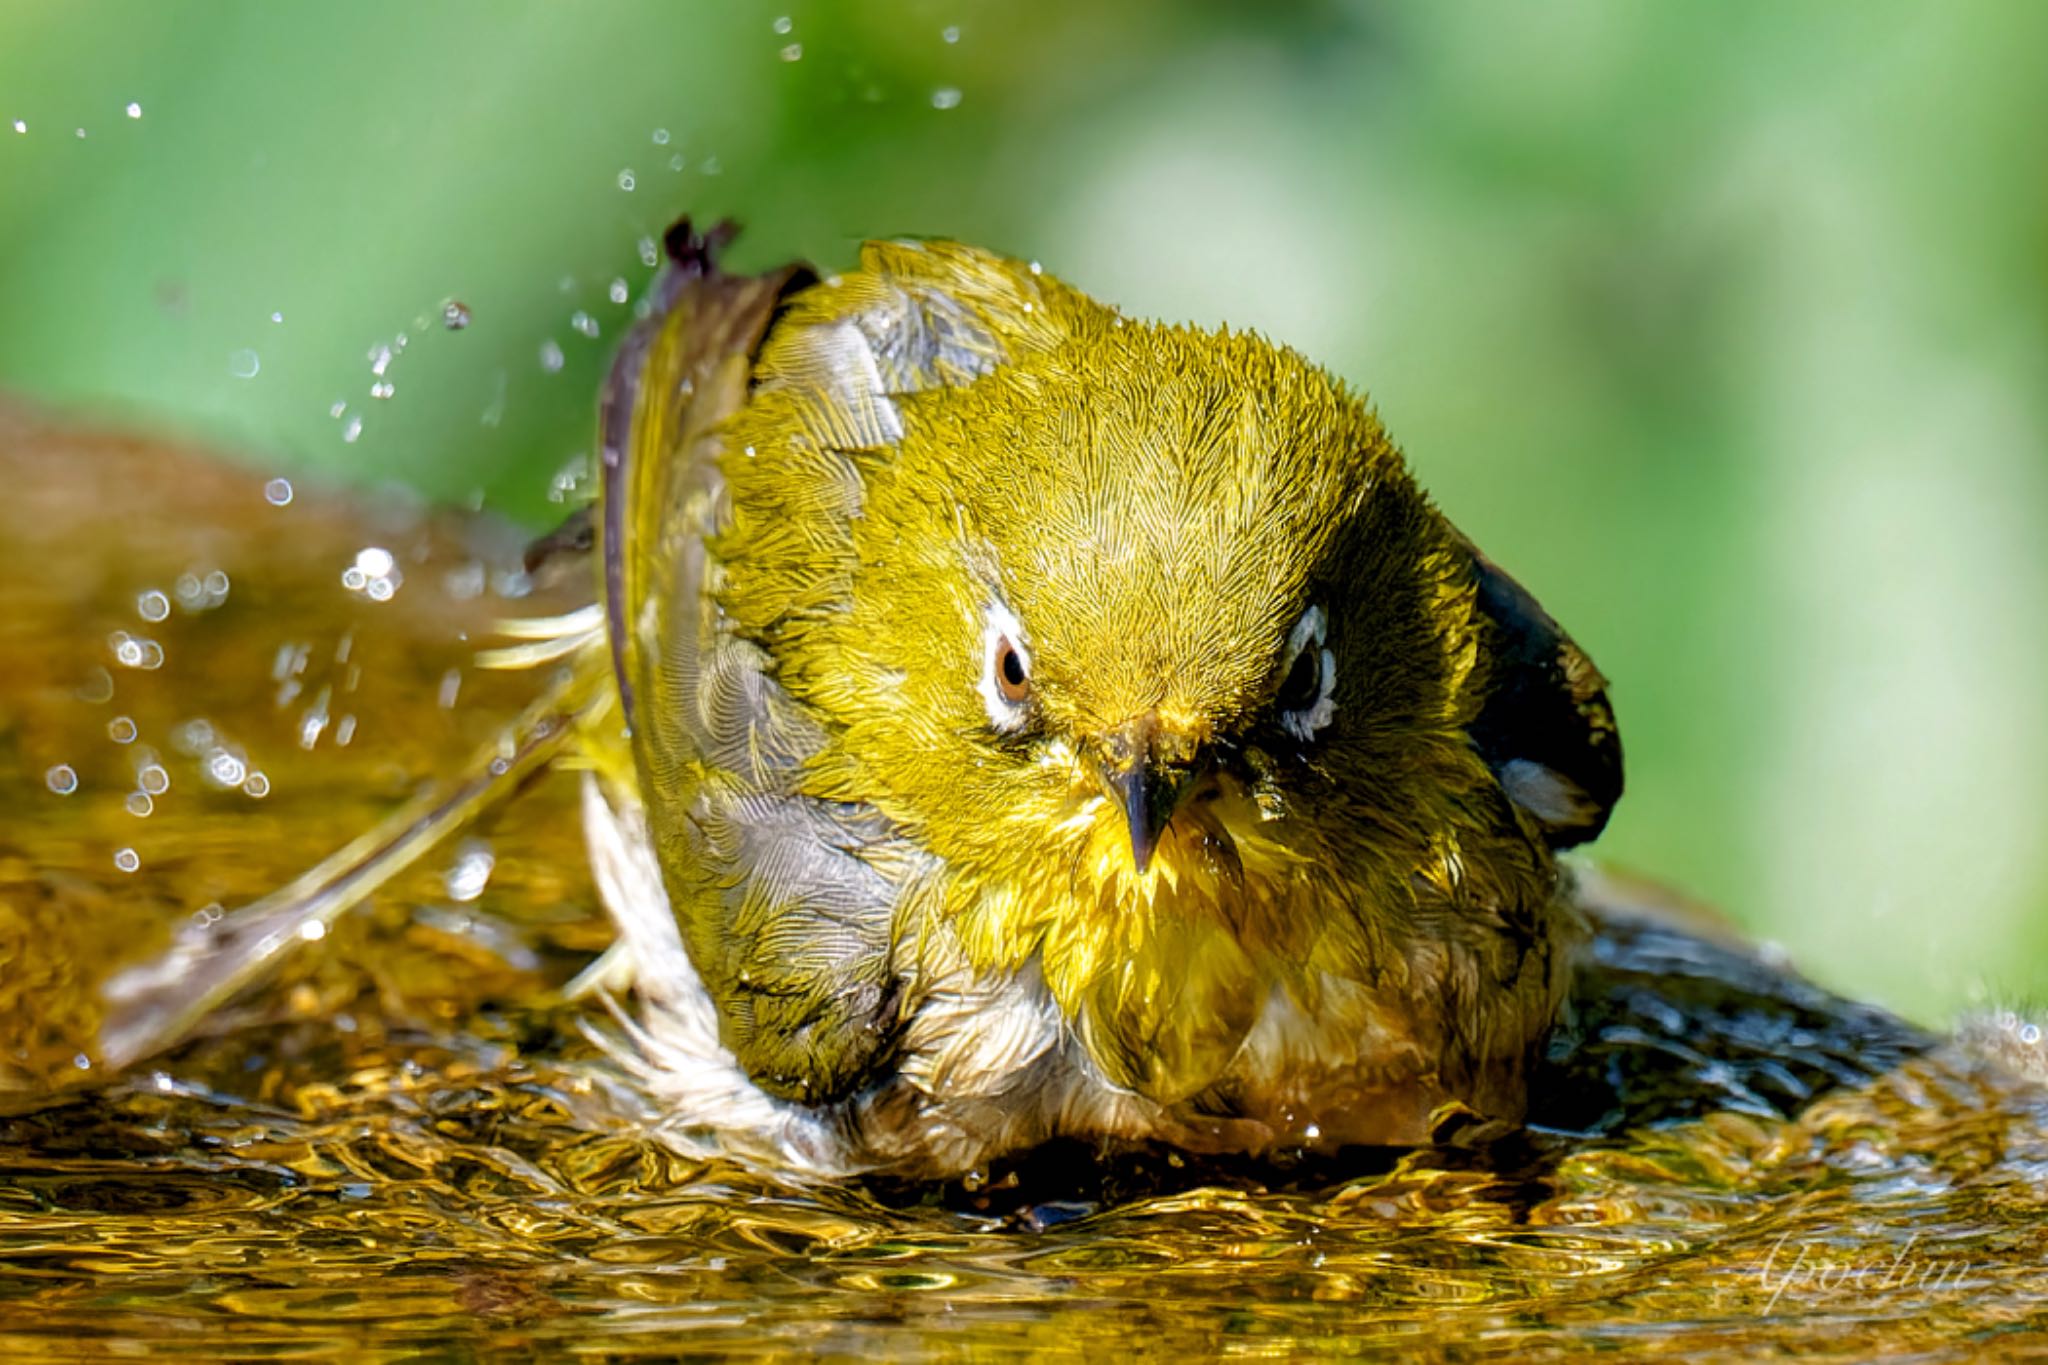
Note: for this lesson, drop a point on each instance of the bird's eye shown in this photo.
(1005, 684)
(1013, 684)
(1308, 678)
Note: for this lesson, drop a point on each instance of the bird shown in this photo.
(1003, 720)
(1040, 723)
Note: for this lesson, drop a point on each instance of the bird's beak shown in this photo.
(1146, 771)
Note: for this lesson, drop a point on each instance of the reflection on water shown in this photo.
(407, 1138)
(438, 1190)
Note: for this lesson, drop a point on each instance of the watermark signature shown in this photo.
(1801, 1269)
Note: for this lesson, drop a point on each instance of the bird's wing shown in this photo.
(784, 914)
(1544, 726)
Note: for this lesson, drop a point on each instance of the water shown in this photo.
(407, 1139)
(424, 1190)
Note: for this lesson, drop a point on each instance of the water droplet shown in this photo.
(784, 24)
(140, 803)
(382, 389)
(244, 364)
(375, 574)
(946, 97)
(551, 356)
(313, 720)
(793, 53)
(677, 162)
(626, 181)
(80, 131)
(277, 317)
(451, 688)
(61, 779)
(121, 730)
(380, 360)
(345, 730)
(21, 125)
(471, 871)
(134, 109)
(661, 137)
(134, 651)
(256, 785)
(650, 253)
(573, 475)
(455, 315)
(312, 931)
(619, 292)
(354, 429)
(153, 606)
(278, 492)
(951, 33)
(710, 166)
(153, 778)
(225, 768)
(337, 408)
(127, 859)
(583, 323)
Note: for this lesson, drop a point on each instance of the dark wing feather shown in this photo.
(1545, 726)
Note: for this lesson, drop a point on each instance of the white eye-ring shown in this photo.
(1308, 678)
(1005, 684)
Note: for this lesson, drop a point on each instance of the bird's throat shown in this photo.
(1160, 973)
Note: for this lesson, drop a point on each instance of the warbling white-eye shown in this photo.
(1046, 723)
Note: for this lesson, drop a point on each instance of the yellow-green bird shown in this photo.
(1045, 723)
(1008, 720)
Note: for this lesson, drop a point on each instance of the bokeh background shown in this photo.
(1724, 327)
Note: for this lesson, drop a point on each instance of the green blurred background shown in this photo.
(1722, 326)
